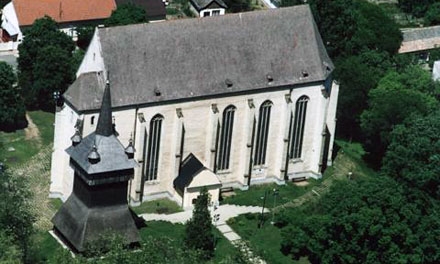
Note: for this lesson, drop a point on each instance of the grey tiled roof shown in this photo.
(201, 4)
(189, 58)
(421, 33)
(111, 151)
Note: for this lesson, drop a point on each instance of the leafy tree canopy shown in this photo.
(397, 97)
(198, 233)
(348, 27)
(414, 153)
(357, 75)
(372, 220)
(16, 218)
(85, 35)
(432, 16)
(415, 7)
(44, 33)
(235, 6)
(12, 110)
(125, 15)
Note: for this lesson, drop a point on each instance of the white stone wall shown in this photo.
(200, 122)
(93, 60)
(61, 175)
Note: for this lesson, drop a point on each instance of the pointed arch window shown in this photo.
(297, 124)
(262, 133)
(224, 149)
(154, 148)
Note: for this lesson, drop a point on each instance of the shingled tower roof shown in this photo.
(112, 156)
(98, 202)
(105, 126)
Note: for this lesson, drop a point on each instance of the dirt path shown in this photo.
(32, 131)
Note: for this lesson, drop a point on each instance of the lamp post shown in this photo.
(275, 194)
(260, 225)
(58, 98)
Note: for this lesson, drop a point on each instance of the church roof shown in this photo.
(194, 174)
(201, 4)
(190, 58)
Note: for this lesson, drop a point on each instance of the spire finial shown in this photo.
(129, 150)
(105, 125)
(94, 156)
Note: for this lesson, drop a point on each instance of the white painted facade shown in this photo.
(207, 12)
(200, 118)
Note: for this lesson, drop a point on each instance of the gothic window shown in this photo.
(154, 148)
(224, 149)
(297, 123)
(262, 133)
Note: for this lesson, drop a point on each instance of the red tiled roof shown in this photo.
(62, 10)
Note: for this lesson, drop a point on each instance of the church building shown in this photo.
(224, 101)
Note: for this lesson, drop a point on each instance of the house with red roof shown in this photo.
(69, 14)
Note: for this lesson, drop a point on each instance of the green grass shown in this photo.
(265, 241)
(160, 229)
(352, 152)
(162, 206)
(46, 249)
(254, 195)
(56, 203)
(26, 148)
(45, 123)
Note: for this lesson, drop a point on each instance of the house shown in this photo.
(205, 8)
(69, 14)
(248, 98)
(155, 9)
(420, 39)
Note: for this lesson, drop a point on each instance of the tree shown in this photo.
(12, 110)
(349, 27)
(432, 16)
(397, 97)
(415, 7)
(374, 220)
(43, 34)
(126, 14)
(16, 219)
(413, 154)
(357, 75)
(198, 233)
(235, 6)
(85, 35)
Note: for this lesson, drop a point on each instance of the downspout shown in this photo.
(251, 152)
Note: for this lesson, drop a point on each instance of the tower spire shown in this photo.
(105, 125)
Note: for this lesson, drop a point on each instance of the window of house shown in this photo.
(224, 149)
(215, 12)
(297, 123)
(206, 14)
(262, 133)
(92, 120)
(154, 148)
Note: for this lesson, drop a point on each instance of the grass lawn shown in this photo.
(254, 195)
(162, 206)
(26, 145)
(47, 248)
(176, 232)
(265, 241)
